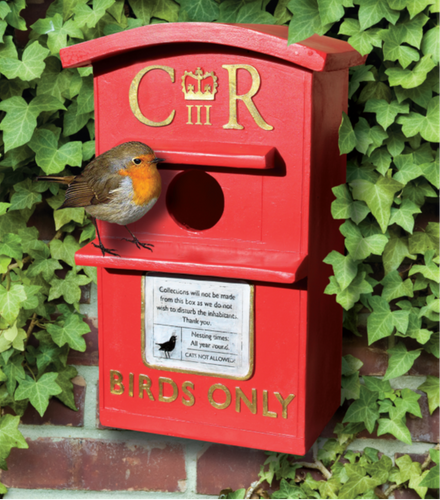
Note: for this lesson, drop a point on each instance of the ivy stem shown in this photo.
(29, 368)
(32, 324)
(317, 464)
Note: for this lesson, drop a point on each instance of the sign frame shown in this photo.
(251, 340)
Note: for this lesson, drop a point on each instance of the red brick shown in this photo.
(90, 356)
(109, 465)
(88, 464)
(405, 493)
(221, 466)
(48, 463)
(57, 413)
(374, 357)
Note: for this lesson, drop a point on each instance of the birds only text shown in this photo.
(220, 397)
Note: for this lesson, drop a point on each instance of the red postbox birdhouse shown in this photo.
(222, 333)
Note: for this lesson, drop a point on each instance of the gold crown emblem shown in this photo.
(198, 86)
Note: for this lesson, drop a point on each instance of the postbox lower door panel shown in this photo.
(164, 374)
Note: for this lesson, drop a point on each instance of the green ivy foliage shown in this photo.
(387, 280)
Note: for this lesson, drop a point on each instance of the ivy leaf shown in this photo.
(86, 96)
(430, 43)
(251, 13)
(407, 169)
(69, 287)
(344, 207)
(407, 403)
(38, 391)
(66, 215)
(57, 31)
(46, 267)
(430, 270)
(21, 118)
(385, 112)
(395, 142)
(410, 78)
(74, 122)
(199, 10)
(306, 20)
(27, 194)
(377, 385)
(428, 126)
(364, 409)
(394, 287)
(378, 196)
(64, 381)
(13, 17)
(381, 159)
(416, 6)
(350, 295)
(64, 250)
(396, 427)
(70, 332)
(431, 172)
(142, 10)
(31, 66)
(432, 389)
(393, 49)
(359, 74)
(358, 482)
(400, 361)
(51, 158)
(344, 268)
(359, 247)
(372, 11)
(404, 215)
(362, 41)
(85, 15)
(347, 138)
(11, 300)
(10, 436)
(431, 480)
(11, 246)
(382, 320)
(331, 11)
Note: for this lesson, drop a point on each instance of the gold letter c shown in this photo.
(133, 97)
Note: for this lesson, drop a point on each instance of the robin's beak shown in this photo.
(157, 160)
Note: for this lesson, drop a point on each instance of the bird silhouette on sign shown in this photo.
(168, 346)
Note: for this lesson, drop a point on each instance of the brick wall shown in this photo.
(71, 451)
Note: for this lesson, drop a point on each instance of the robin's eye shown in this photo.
(137, 161)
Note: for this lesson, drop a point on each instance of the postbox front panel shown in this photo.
(266, 410)
(215, 99)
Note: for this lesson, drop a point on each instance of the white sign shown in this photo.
(198, 326)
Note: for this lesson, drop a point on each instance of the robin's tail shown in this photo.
(53, 178)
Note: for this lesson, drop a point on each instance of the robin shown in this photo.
(118, 186)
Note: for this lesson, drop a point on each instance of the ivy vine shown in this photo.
(388, 278)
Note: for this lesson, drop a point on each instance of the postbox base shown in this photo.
(283, 405)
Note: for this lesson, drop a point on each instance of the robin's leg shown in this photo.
(137, 242)
(101, 246)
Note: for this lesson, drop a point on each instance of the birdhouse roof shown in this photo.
(317, 53)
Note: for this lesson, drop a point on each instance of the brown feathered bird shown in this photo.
(118, 186)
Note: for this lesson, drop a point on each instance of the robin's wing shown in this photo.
(88, 189)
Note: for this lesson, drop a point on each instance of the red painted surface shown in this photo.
(268, 192)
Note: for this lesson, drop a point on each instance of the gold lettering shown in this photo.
(173, 397)
(208, 115)
(266, 412)
(145, 385)
(246, 98)
(284, 402)
(116, 380)
(133, 96)
(191, 400)
(198, 122)
(130, 384)
(220, 387)
(190, 107)
(239, 396)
